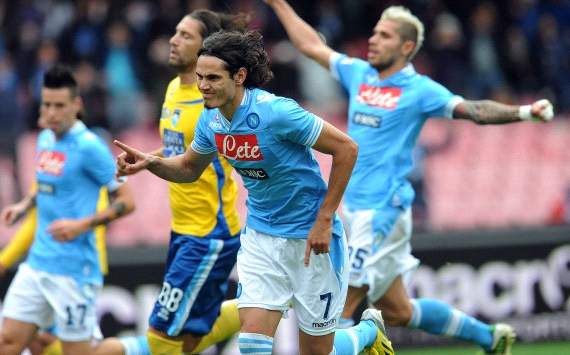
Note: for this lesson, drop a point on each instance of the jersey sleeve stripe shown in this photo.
(315, 132)
(201, 150)
(450, 107)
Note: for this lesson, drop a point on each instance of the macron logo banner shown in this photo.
(51, 163)
(386, 98)
(242, 147)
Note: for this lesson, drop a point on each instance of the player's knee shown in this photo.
(315, 348)
(161, 344)
(255, 343)
(190, 343)
(397, 315)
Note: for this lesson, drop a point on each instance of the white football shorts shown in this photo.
(272, 276)
(50, 300)
(374, 259)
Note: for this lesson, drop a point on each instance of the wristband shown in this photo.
(524, 113)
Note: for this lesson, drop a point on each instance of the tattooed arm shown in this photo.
(492, 112)
(121, 204)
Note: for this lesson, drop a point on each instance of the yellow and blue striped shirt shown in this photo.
(206, 207)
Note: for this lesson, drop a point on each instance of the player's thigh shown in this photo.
(395, 303)
(25, 299)
(74, 307)
(259, 321)
(77, 347)
(263, 279)
(16, 335)
(320, 289)
(315, 345)
(380, 249)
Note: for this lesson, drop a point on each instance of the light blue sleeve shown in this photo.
(344, 68)
(293, 123)
(98, 160)
(436, 100)
(202, 144)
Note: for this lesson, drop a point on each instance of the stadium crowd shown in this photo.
(511, 50)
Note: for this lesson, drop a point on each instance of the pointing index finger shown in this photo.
(307, 253)
(124, 147)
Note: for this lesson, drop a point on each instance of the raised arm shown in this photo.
(185, 167)
(301, 34)
(492, 112)
(344, 152)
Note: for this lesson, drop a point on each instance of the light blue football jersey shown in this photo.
(385, 118)
(268, 142)
(69, 173)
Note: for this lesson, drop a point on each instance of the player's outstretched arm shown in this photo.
(186, 167)
(344, 152)
(301, 34)
(492, 112)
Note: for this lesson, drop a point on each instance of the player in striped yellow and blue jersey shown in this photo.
(205, 224)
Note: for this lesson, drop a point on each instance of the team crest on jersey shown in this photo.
(382, 97)
(50, 163)
(252, 120)
(241, 147)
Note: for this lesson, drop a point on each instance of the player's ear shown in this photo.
(407, 48)
(78, 103)
(240, 75)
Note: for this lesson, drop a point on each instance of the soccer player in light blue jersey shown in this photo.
(293, 251)
(389, 103)
(58, 282)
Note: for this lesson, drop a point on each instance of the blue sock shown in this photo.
(255, 344)
(353, 340)
(436, 317)
(135, 345)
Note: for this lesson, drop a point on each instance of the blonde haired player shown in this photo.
(389, 103)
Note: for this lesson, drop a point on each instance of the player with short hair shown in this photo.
(389, 103)
(293, 249)
(62, 274)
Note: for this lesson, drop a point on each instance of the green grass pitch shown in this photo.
(551, 348)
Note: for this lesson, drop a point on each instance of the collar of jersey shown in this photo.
(77, 127)
(405, 73)
(242, 106)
